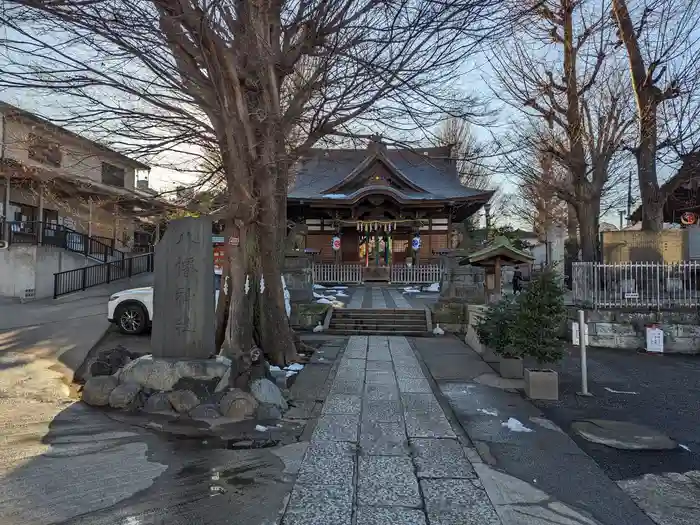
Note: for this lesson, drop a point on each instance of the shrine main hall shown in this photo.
(380, 207)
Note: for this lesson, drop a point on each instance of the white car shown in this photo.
(132, 310)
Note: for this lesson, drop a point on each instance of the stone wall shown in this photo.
(625, 329)
(27, 271)
(475, 313)
(307, 316)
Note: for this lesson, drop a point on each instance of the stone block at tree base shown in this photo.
(542, 384)
(158, 403)
(237, 405)
(265, 391)
(183, 400)
(123, 396)
(205, 412)
(164, 374)
(97, 390)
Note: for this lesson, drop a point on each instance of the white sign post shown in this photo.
(583, 341)
(655, 339)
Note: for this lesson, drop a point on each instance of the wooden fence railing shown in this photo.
(350, 273)
(337, 273)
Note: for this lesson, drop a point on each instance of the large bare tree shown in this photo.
(661, 39)
(552, 71)
(258, 81)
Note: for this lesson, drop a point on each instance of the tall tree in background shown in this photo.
(552, 71)
(661, 41)
(470, 153)
(259, 82)
(536, 200)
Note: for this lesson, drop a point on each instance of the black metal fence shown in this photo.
(97, 274)
(50, 234)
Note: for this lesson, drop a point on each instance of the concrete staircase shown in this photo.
(410, 322)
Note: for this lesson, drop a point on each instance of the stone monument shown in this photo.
(183, 291)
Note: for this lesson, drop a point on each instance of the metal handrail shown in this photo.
(50, 234)
(94, 275)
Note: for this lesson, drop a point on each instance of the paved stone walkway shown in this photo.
(383, 451)
(382, 296)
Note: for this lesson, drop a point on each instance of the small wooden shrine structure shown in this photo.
(493, 258)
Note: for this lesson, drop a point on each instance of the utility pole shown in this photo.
(629, 198)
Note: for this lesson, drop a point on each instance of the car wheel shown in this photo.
(132, 319)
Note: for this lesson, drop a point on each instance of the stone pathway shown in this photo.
(378, 300)
(383, 451)
(398, 298)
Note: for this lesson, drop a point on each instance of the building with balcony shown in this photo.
(60, 190)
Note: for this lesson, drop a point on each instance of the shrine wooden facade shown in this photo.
(376, 203)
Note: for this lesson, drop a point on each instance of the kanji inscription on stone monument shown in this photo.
(183, 298)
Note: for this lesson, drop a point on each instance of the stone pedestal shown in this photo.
(461, 283)
(183, 291)
(298, 276)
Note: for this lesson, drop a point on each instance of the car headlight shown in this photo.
(114, 297)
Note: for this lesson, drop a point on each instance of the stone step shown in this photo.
(413, 314)
(397, 321)
(410, 333)
(378, 325)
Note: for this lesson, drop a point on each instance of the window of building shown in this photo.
(44, 150)
(112, 175)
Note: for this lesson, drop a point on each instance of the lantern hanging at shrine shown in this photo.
(335, 243)
(688, 218)
(415, 243)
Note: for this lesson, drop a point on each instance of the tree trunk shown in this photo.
(652, 200)
(647, 96)
(587, 214)
(572, 244)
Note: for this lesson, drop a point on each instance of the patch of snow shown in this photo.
(290, 373)
(331, 297)
(319, 287)
(411, 290)
(287, 298)
(226, 285)
(318, 327)
(437, 330)
(223, 359)
(317, 295)
(295, 367)
(487, 411)
(274, 368)
(515, 425)
(260, 428)
(323, 300)
(435, 287)
(262, 284)
(247, 284)
(335, 196)
(340, 287)
(621, 392)
(341, 294)
(684, 447)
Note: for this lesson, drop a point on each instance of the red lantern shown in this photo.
(689, 218)
(335, 243)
